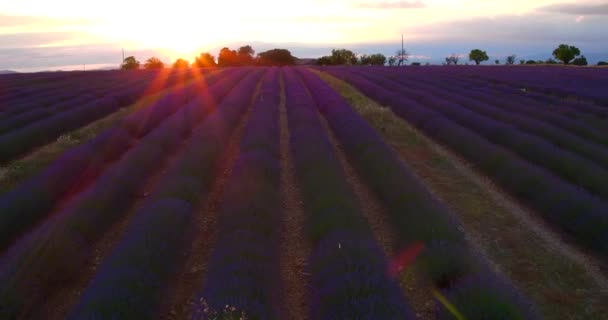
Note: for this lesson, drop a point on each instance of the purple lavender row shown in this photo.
(417, 217)
(43, 95)
(558, 137)
(77, 167)
(17, 88)
(244, 264)
(45, 99)
(350, 278)
(131, 281)
(567, 165)
(566, 206)
(589, 83)
(22, 140)
(585, 120)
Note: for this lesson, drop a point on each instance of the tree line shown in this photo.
(564, 53)
(243, 56)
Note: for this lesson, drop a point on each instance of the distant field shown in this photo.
(305, 193)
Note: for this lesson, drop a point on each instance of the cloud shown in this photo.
(576, 8)
(36, 39)
(8, 21)
(516, 29)
(393, 5)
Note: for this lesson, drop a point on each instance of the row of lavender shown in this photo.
(70, 96)
(20, 90)
(244, 265)
(347, 266)
(588, 83)
(564, 204)
(538, 142)
(54, 251)
(132, 281)
(78, 167)
(416, 217)
(37, 132)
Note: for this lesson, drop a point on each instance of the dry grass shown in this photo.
(21, 169)
(561, 286)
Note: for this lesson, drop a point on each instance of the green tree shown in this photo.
(566, 53)
(602, 63)
(181, 64)
(276, 57)
(343, 56)
(227, 58)
(496, 61)
(580, 61)
(205, 59)
(478, 56)
(154, 63)
(130, 63)
(245, 55)
(377, 59)
(324, 61)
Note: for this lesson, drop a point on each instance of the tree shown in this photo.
(522, 61)
(580, 61)
(478, 56)
(510, 59)
(181, 64)
(227, 58)
(343, 56)
(275, 57)
(245, 55)
(154, 63)
(496, 61)
(566, 53)
(324, 61)
(130, 63)
(602, 63)
(377, 59)
(392, 61)
(530, 62)
(338, 57)
(549, 61)
(402, 55)
(205, 59)
(452, 59)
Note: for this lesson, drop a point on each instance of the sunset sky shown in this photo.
(42, 34)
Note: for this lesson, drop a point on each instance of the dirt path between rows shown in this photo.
(561, 280)
(189, 279)
(295, 247)
(419, 294)
(67, 296)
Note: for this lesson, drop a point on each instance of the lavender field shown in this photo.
(294, 193)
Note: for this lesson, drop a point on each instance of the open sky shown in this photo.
(42, 34)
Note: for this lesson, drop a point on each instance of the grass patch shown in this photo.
(21, 169)
(559, 287)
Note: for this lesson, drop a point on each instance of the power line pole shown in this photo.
(401, 56)
(123, 58)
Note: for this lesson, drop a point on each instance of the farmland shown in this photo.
(305, 193)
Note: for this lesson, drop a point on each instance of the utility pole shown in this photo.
(123, 58)
(402, 51)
